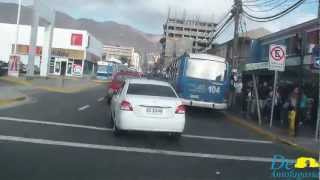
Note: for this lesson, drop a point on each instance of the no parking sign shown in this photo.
(277, 57)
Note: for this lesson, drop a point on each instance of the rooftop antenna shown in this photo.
(169, 12)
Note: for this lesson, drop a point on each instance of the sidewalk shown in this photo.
(305, 143)
(53, 84)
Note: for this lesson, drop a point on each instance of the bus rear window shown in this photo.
(205, 69)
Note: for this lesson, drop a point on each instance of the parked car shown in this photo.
(3, 68)
(36, 69)
(147, 105)
(23, 68)
(117, 80)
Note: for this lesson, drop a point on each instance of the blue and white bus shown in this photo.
(201, 80)
(106, 69)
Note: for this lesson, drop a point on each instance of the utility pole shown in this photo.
(318, 113)
(236, 11)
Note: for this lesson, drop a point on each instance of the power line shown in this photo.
(275, 16)
(275, 6)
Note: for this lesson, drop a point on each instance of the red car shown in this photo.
(117, 81)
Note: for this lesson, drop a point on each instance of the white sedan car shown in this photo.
(147, 105)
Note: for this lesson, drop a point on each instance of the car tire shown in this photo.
(108, 100)
(175, 135)
(110, 120)
(115, 129)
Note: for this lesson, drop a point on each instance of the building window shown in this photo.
(178, 35)
(265, 51)
(179, 28)
(292, 45)
(170, 35)
(170, 28)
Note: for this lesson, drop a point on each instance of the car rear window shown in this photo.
(124, 77)
(151, 90)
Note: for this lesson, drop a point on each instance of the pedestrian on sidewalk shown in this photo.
(302, 109)
(292, 109)
(263, 94)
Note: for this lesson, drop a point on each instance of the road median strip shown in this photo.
(268, 134)
(15, 80)
(65, 90)
(4, 102)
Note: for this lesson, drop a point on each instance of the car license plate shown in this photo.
(150, 110)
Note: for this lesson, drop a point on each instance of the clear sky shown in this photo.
(149, 15)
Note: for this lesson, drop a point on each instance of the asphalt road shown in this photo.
(68, 136)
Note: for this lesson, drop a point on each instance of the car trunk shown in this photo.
(153, 106)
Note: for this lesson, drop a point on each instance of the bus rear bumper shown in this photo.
(211, 105)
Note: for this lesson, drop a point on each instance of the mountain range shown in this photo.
(108, 32)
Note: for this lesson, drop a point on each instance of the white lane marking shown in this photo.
(227, 139)
(83, 107)
(109, 129)
(138, 150)
(100, 99)
(54, 123)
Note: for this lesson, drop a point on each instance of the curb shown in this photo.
(5, 102)
(15, 81)
(101, 81)
(66, 91)
(268, 134)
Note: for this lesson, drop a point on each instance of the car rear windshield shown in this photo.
(127, 76)
(151, 90)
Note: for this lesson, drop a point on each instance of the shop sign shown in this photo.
(13, 65)
(256, 66)
(24, 49)
(68, 53)
(277, 57)
(77, 69)
(76, 39)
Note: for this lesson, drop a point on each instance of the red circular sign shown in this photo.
(277, 53)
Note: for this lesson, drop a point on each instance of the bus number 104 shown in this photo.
(214, 89)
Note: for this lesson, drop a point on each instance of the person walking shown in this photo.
(292, 110)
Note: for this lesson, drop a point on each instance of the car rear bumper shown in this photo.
(129, 121)
(212, 105)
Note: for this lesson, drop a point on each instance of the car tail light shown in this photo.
(125, 106)
(181, 109)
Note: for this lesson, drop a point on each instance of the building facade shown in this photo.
(73, 53)
(181, 35)
(301, 67)
(136, 62)
(118, 52)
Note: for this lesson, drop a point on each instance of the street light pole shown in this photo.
(17, 28)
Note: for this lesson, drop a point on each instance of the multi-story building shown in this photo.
(136, 61)
(118, 52)
(73, 53)
(181, 35)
